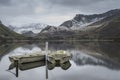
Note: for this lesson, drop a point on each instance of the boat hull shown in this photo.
(27, 58)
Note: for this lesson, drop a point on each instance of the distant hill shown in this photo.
(7, 34)
(34, 27)
(29, 34)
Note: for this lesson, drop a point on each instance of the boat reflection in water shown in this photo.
(31, 65)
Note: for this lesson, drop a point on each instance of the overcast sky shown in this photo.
(52, 12)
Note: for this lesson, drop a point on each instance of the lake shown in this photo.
(89, 61)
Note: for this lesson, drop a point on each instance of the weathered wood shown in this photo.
(17, 65)
(59, 56)
(46, 57)
(26, 58)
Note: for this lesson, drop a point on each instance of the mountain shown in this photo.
(29, 34)
(105, 25)
(81, 21)
(34, 27)
(7, 34)
(49, 29)
(110, 29)
(52, 32)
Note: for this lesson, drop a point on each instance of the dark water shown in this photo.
(90, 61)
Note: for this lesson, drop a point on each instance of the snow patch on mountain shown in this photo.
(82, 25)
(54, 29)
(62, 28)
(34, 27)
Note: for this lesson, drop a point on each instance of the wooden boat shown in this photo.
(59, 57)
(32, 65)
(26, 58)
(53, 57)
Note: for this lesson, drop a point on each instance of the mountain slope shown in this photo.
(52, 32)
(81, 20)
(107, 28)
(6, 33)
(111, 29)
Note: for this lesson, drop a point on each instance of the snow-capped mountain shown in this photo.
(49, 29)
(86, 26)
(54, 29)
(34, 27)
(81, 21)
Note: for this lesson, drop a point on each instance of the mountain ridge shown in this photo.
(34, 27)
(92, 30)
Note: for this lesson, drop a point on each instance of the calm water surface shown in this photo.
(90, 61)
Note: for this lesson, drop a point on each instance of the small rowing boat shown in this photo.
(55, 57)
(32, 65)
(26, 58)
(59, 56)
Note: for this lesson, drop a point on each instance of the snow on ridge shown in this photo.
(82, 24)
(34, 27)
(62, 28)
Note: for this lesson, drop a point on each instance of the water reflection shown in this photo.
(102, 59)
(32, 65)
(97, 60)
(6, 48)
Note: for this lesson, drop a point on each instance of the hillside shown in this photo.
(111, 30)
(81, 21)
(7, 34)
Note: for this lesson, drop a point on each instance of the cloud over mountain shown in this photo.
(52, 12)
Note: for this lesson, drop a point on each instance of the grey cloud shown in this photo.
(85, 6)
(12, 9)
(5, 2)
(74, 2)
(17, 7)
